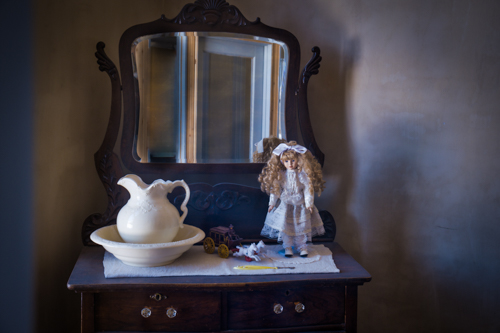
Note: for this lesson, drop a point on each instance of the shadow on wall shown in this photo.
(419, 247)
(341, 154)
(333, 92)
(386, 200)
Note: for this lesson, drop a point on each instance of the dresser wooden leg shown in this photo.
(351, 308)
(87, 323)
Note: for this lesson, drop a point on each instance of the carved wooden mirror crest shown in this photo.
(187, 82)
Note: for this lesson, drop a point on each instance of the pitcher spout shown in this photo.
(132, 183)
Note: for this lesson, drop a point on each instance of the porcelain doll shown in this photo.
(291, 178)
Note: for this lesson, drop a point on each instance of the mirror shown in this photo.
(207, 97)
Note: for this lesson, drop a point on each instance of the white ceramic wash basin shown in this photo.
(147, 255)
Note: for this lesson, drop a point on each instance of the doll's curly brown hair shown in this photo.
(271, 176)
(268, 144)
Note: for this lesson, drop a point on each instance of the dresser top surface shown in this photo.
(88, 275)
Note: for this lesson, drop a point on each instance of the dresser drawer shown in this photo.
(157, 311)
(286, 307)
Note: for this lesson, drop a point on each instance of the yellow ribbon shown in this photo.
(254, 267)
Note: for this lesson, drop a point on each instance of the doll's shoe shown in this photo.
(288, 252)
(304, 253)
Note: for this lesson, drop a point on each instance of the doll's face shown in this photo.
(290, 164)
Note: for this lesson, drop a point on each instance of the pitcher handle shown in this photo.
(184, 203)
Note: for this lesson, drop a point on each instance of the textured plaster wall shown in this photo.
(406, 108)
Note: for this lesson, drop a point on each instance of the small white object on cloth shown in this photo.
(284, 147)
(195, 262)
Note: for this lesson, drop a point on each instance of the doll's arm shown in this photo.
(273, 198)
(272, 201)
(309, 199)
(308, 196)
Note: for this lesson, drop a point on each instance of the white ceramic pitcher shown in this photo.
(148, 217)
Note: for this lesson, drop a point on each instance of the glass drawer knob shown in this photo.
(146, 313)
(171, 313)
(278, 308)
(299, 307)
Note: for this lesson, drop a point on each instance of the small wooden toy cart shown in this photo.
(224, 238)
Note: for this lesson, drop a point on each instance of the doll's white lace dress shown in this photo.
(290, 216)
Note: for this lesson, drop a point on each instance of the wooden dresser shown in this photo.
(274, 90)
(263, 303)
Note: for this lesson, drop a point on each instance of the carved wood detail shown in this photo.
(109, 175)
(329, 224)
(311, 68)
(105, 64)
(202, 201)
(106, 161)
(242, 206)
(211, 12)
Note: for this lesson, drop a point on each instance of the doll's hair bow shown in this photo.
(282, 147)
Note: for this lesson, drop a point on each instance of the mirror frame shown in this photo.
(202, 16)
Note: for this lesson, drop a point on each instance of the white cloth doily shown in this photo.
(198, 263)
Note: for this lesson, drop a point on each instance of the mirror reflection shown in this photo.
(206, 97)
